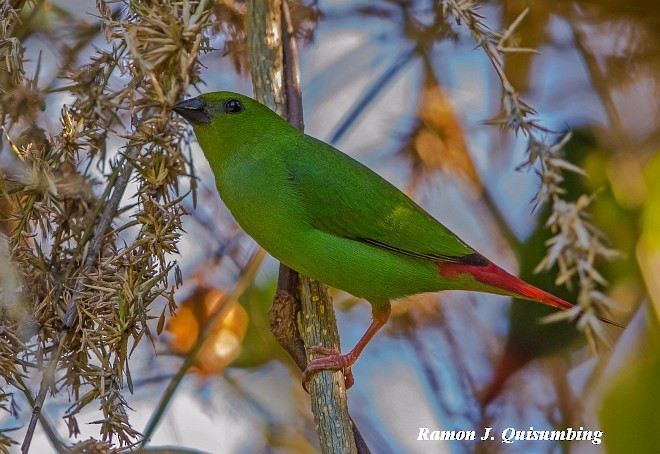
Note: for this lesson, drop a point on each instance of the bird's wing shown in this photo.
(343, 197)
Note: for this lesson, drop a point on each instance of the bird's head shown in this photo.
(225, 116)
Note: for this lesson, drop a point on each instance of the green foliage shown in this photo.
(259, 345)
(630, 414)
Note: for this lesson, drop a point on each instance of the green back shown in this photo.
(347, 199)
(337, 194)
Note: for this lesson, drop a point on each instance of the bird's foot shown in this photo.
(332, 360)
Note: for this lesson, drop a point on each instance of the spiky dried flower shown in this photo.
(11, 49)
(24, 101)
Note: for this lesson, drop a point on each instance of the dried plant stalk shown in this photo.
(64, 205)
(577, 244)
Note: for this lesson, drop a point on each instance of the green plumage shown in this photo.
(327, 216)
(319, 211)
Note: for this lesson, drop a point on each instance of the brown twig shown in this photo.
(47, 381)
(109, 212)
(246, 276)
(47, 425)
(292, 90)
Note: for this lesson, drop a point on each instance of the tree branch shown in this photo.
(267, 51)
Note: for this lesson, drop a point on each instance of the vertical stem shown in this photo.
(267, 29)
(329, 398)
(264, 38)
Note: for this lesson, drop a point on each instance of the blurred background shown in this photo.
(402, 87)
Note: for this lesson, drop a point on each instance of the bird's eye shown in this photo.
(233, 106)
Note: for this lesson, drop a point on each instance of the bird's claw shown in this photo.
(331, 360)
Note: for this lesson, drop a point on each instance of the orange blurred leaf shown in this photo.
(224, 343)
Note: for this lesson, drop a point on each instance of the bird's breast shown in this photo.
(259, 195)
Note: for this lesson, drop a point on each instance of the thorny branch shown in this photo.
(87, 299)
(577, 244)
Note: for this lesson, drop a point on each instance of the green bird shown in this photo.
(325, 215)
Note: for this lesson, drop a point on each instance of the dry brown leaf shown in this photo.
(437, 142)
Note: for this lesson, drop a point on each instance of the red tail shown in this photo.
(487, 273)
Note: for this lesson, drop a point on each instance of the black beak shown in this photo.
(193, 110)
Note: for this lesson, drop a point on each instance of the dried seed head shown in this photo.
(32, 143)
(23, 101)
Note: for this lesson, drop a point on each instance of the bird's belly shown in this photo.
(359, 269)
